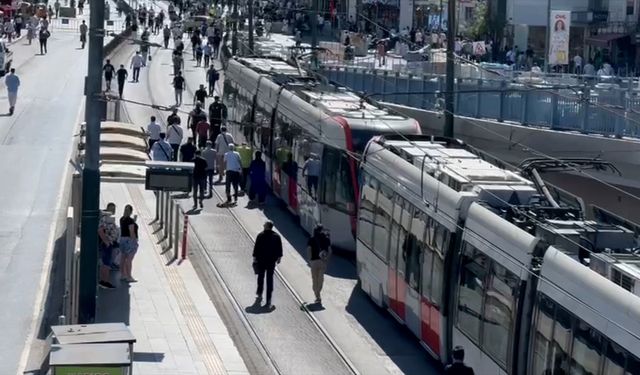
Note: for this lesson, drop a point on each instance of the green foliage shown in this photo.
(479, 27)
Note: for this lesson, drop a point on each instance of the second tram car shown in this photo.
(465, 253)
(291, 115)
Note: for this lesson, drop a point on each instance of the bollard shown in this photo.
(170, 226)
(161, 200)
(184, 237)
(165, 215)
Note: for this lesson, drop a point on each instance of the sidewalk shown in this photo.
(177, 327)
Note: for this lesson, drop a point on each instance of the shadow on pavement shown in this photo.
(148, 357)
(114, 305)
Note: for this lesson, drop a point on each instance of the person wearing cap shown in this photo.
(233, 167)
(222, 146)
(457, 367)
(209, 154)
(267, 252)
(217, 115)
(318, 250)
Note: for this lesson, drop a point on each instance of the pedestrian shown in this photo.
(137, 62)
(216, 45)
(178, 62)
(267, 252)
(319, 251)
(174, 137)
(9, 29)
(81, 7)
(212, 77)
(202, 130)
(577, 64)
(128, 243)
(188, 151)
(108, 70)
(162, 150)
(199, 53)
(458, 367)
(195, 117)
(199, 178)
(43, 36)
(222, 147)
(108, 236)
(257, 175)
(18, 23)
(245, 159)
(12, 81)
(178, 86)
(217, 114)
(166, 35)
(83, 33)
(381, 51)
(209, 154)
(207, 51)
(153, 131)
(174, 118)
(311, 169)
(56, 7)
(200, 95)
(233, 167)
(121, 76)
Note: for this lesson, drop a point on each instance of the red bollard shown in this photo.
(184, 237)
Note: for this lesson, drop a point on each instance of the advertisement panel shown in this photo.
(559, 37)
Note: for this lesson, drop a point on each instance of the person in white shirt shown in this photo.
(577, 64)
(153, 131)
(222, 146)
(209, 154)
(161, 150)
(589, 69)
(136, 63)
(233, 166)
(311, 169)
(174, 137)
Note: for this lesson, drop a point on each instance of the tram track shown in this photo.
(222, 285)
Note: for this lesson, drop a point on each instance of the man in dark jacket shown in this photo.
(458, 367)
(267, 251)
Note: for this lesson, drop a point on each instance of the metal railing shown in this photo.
(170, 222)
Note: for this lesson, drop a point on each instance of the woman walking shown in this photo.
(128, 242)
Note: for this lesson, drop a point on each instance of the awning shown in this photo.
(603, 40)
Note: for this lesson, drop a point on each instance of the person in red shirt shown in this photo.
(202, 130)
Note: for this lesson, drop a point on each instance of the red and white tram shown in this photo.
(459, 251)
(281, 110)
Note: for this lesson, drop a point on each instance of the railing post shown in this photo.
(621, 123)
(176, 228)
(586, 103)
(478, 98)
(166, 228)
(170, 225)
(554, 109)
(384, 85)
(525, 107)
(408, 90)
(503, 94)
(161, 204)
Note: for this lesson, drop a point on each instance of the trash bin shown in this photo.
(99, 359)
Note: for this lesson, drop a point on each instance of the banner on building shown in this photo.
(559, 37)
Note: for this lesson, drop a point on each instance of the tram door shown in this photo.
(397, 286)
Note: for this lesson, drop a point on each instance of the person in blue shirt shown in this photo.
(257, 174)
(12, 81)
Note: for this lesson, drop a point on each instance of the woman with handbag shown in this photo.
(128, 242)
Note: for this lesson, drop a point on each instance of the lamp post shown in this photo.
(450, 79)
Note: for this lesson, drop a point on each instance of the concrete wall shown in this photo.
(514, 143)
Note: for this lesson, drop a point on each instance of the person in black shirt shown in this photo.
(173, 118)
(178, 86)
(319, 250)
(121, 74)
(212, 77)
(267, 252)
(200, 95)
(195, 117)
(199, 178)
(188, 151)
(217, 114)
(458, 367)
(108, 70)
(128, 242)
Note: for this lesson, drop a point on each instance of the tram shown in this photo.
(291, 115)
(466, 253)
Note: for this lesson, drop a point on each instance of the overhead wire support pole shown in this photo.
(235, 16)
(450, 79)
(314, 34)
(251, 26)
(90, 172)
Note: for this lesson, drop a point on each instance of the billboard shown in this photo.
(559, 24)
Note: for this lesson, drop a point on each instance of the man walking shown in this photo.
(199, 178)
(174, 136)
(83, 33)
(319, 250)
(195, 117)
(200, 95)
(166, 35)
(178, 86)
(137, 62)
(188, 151)
(458, 367)
(153, 131)
(12, 81)
(233, 166)
(267, 252)
(212, 77)
(108, 70)
(217, 114)
(209, 154)
(121, 75)
(223, 140)
(161, 150)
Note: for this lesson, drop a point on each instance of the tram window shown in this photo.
(396, 254)
(383, 222)
(441, 238)
(633, 365)
(542, 358)
(587, 347)
(427, 256)
(472, 285)
(500, 302)
(561, 341)
(416, 251)
(367, 210)
(437, 279)
(614, 360)
(336, 180)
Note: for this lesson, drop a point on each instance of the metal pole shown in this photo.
(451, 44)
(91, 172)
(250, 3)
(547, 36)
(314, 34)
(234, 41)
(440, 18)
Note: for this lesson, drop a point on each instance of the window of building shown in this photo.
(468, 13)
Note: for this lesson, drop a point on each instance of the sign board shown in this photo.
(86, 370)
(169, 176)
(559, 24)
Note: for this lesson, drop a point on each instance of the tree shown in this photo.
(479, 27)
